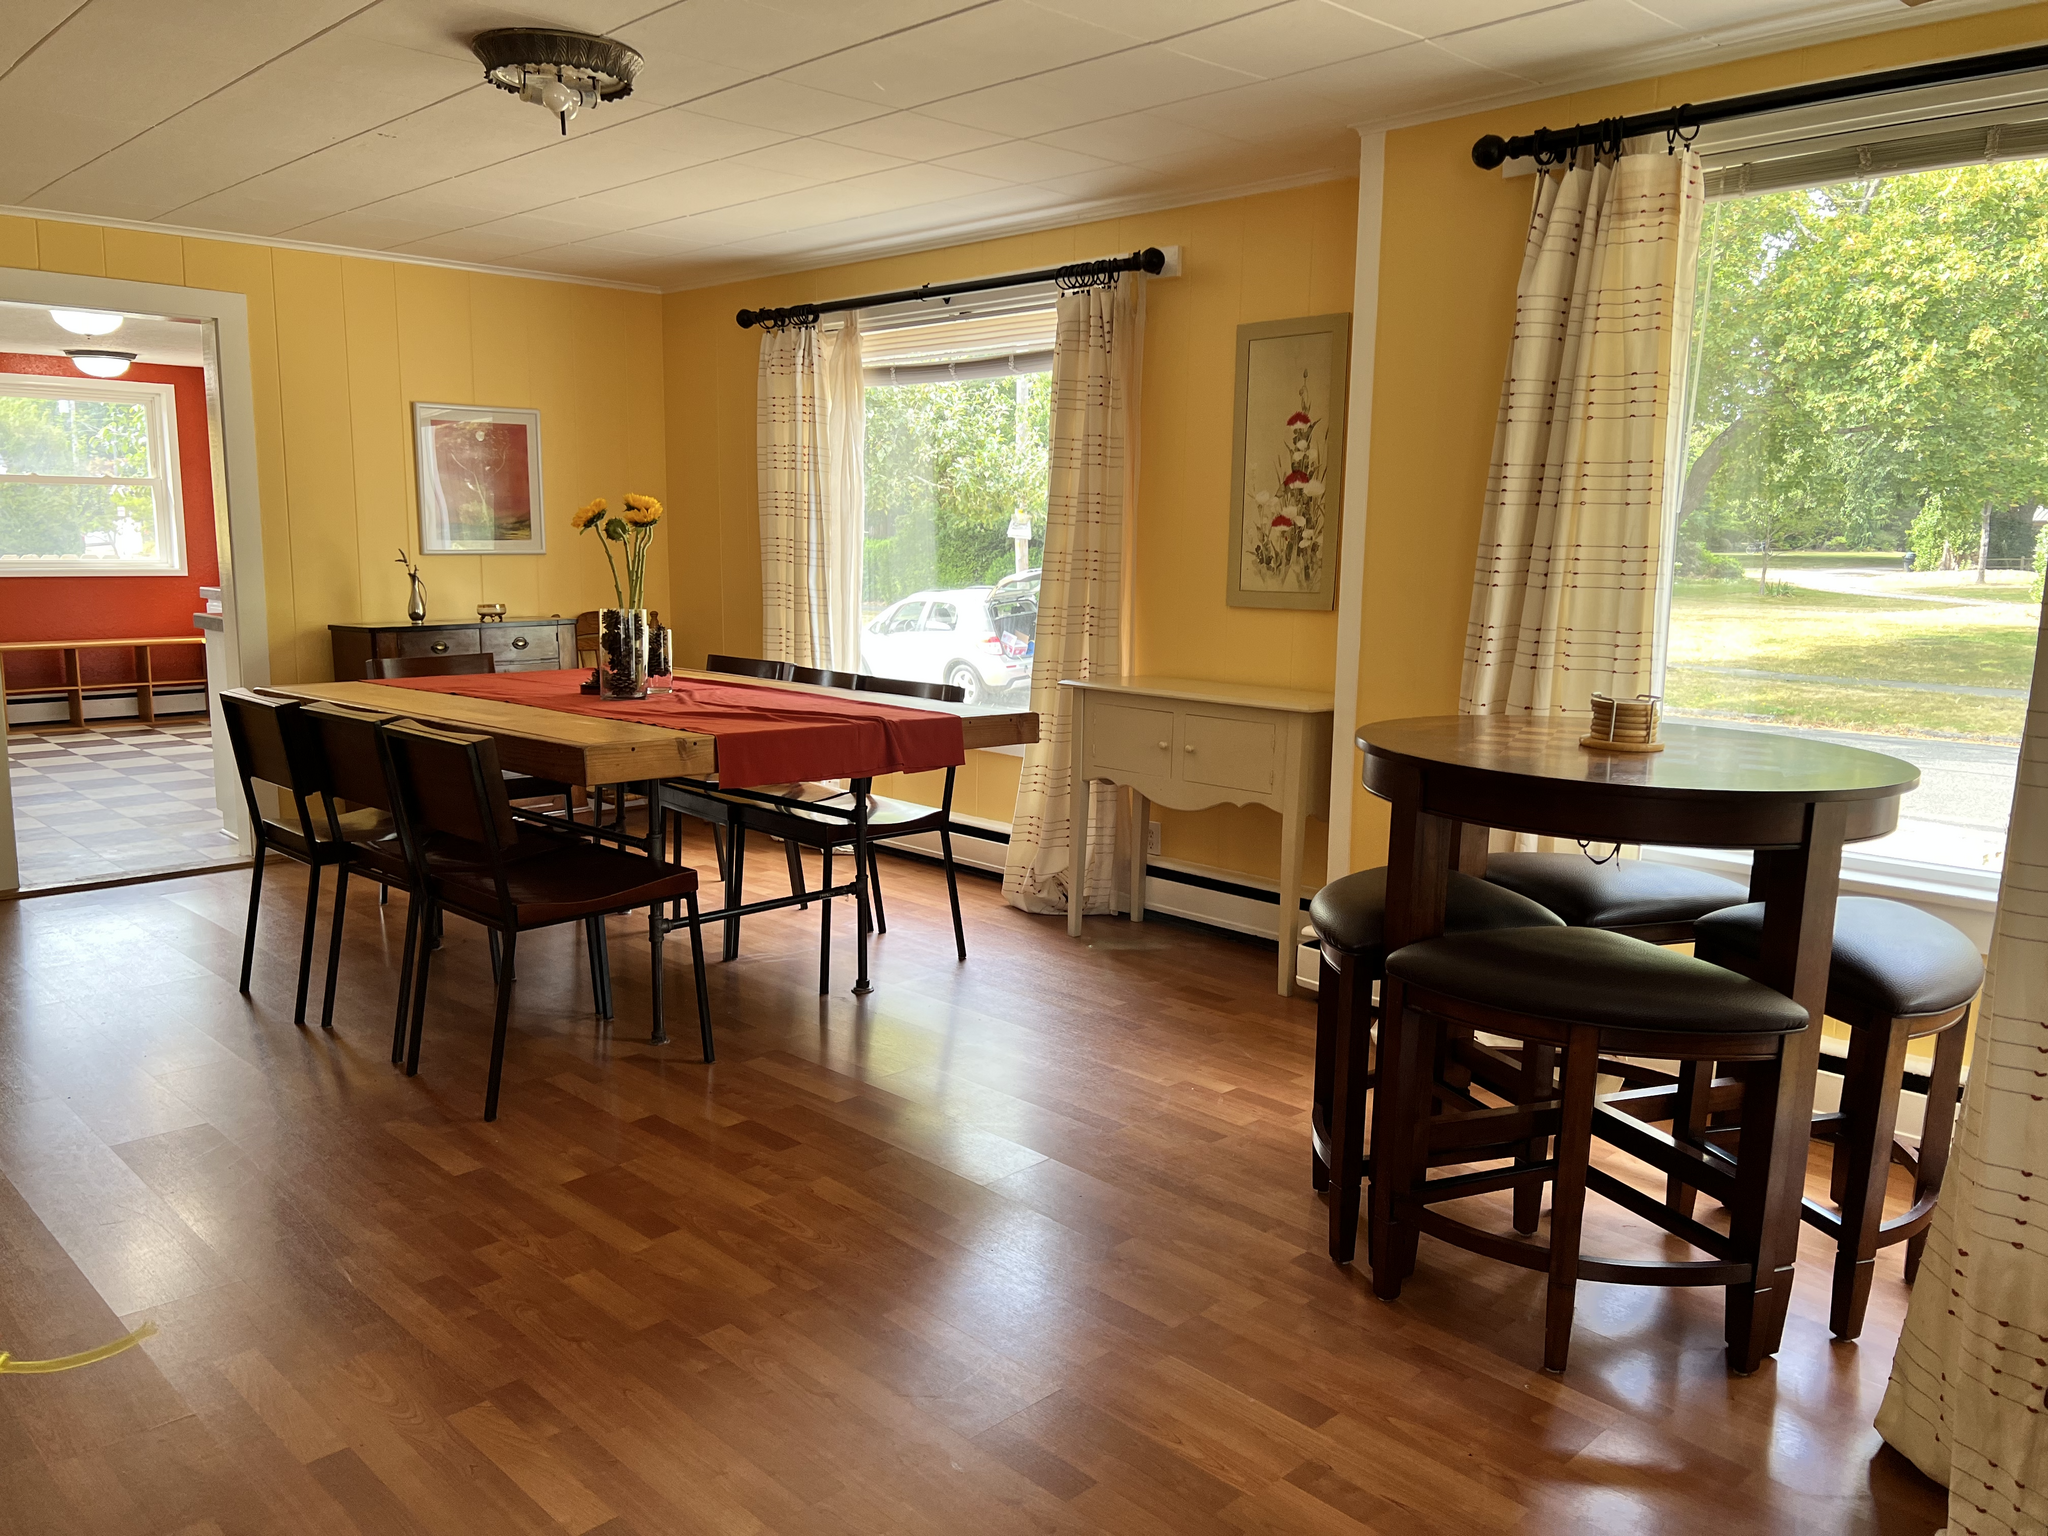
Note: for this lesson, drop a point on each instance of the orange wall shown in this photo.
(97, 607)
(1267, 257)
(1450, 254)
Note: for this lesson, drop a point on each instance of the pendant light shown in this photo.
(100, 364)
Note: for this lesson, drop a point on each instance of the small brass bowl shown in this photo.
(491, 613)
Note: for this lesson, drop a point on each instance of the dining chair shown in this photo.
(273, 746)
(520, 786)
(945, 693)
(749, 666)
(470, 858)
(824, 677)
(1584, 993)
(1896, 974)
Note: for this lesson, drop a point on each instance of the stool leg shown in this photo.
(1539, 1076)
(1351, 1049)
(1568, 1191)
(1936, 1131)
(1863, 1151)
(1755, 1307)
(1401, 1104)
(1689, 1127)
(1326, 1061)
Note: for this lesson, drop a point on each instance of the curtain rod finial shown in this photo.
(746, 317)
(1490, 152)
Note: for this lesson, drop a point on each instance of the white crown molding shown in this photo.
(187, 232)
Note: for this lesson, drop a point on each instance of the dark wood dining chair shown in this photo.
(911, 688)
(749, 666)
(465, 664)
(471, 859)
(272, 745)
(824, 677)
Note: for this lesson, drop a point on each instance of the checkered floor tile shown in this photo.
(114, 801)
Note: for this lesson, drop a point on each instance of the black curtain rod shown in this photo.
(1082, 274)
(1551, 146)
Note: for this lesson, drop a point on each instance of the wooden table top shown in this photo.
(1294, 701)
(585, 749)
(1711, 786)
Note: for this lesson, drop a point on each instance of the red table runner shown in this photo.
(765, 735)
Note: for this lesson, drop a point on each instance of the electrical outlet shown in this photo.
(1152, 838)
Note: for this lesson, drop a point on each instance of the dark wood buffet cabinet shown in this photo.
(520, 645)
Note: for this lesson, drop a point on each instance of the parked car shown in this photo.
(977, 638)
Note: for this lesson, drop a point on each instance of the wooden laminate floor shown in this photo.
(1024, 1245)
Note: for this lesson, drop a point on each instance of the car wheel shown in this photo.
(967, 679)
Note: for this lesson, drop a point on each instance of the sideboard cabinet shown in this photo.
(519, 645)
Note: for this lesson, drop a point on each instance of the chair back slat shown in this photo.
(824, 677)
(356, 768)
(464, 665)
(945, 693)
(749, 666)
(451, 785)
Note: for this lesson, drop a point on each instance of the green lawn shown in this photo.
(1853, 636)
(1825, 559)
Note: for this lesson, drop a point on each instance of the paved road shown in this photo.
(1972, 690)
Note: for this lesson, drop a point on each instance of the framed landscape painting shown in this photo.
(479, 480)
(1287, 462)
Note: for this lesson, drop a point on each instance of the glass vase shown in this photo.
(622, 637)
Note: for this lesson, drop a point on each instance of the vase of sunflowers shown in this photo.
(623, 632)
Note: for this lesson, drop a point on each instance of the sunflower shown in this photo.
(587, 514)
(643, 511)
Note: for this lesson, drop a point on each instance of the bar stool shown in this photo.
(1350, 919)
(1897, 974)
(1657, 902)
(1586, 992)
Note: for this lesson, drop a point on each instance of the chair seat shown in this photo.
(1889, 959)
(524, 786)
(361, 826)
(1590, 976)
(1622, 893)
(554, 879)
(1350, 914)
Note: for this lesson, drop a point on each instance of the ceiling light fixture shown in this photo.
(561, 71)
(86, 322)
(100, 364)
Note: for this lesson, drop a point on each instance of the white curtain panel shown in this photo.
(809, 423)
(1968, 1400)
(1575, 527)
(1080, 597)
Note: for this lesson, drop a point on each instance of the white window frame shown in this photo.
(161, 414)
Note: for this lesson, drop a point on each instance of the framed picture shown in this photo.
(1287, 462)
(479, 480)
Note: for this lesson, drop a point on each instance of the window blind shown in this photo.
(1776, 168)
(967, 346)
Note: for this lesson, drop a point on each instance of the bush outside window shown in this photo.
(88, 478)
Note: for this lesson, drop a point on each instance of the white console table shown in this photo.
(1191, 745)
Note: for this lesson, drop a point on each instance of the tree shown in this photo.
(41, 435)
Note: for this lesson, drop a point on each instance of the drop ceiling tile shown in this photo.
(907, 187)
(786, 106)
(1435, 18)
(1023, 160)
(669, 140)
(638, 242)
(372, 232)
(28, 23)
(818, 159)
(1144, 77)
(1258, 110)
(1153, 19)
(1291, 37)
(471, 245)
(444, 27)
(759, 37)
(1135, 137)
(1711, 15)
(913, 136)
(701, 188)
(1404, 82)
(1569, 42)
(1003, 40)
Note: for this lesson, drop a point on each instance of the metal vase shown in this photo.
(622, 641)
(416, 609)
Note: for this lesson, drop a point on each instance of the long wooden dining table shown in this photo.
(577, 748)
(1792, 801)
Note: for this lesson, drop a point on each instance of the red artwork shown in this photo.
(480, 474)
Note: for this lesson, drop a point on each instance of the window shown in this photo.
(959, 424)
(1861, 522)
(88, 478)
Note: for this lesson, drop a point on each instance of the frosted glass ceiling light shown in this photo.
(86, 322)
(101, 365)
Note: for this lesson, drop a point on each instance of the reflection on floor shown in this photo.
(114, 802)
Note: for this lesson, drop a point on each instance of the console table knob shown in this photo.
(440, 645)
(520, 643)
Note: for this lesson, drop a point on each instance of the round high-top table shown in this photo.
(1793, 801)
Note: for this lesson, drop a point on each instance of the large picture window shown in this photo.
(959, 424)
(1860, 527)
(88, 478)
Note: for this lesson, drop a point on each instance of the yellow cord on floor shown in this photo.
(10, 1365)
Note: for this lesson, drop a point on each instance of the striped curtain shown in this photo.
(1968, 1400)
(1565, 593)
(807, 448)
(1081, 593)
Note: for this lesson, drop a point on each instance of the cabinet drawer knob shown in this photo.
(1162, 746)
(1189, 748)
(520, 644)
(440, 646)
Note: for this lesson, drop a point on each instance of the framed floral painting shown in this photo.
(479, 480)
(1287, 462)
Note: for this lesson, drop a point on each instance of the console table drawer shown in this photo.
(427, 642)
(523, 648)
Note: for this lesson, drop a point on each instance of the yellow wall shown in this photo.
(1450, 253)
(1268, 257)
(341, 347)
